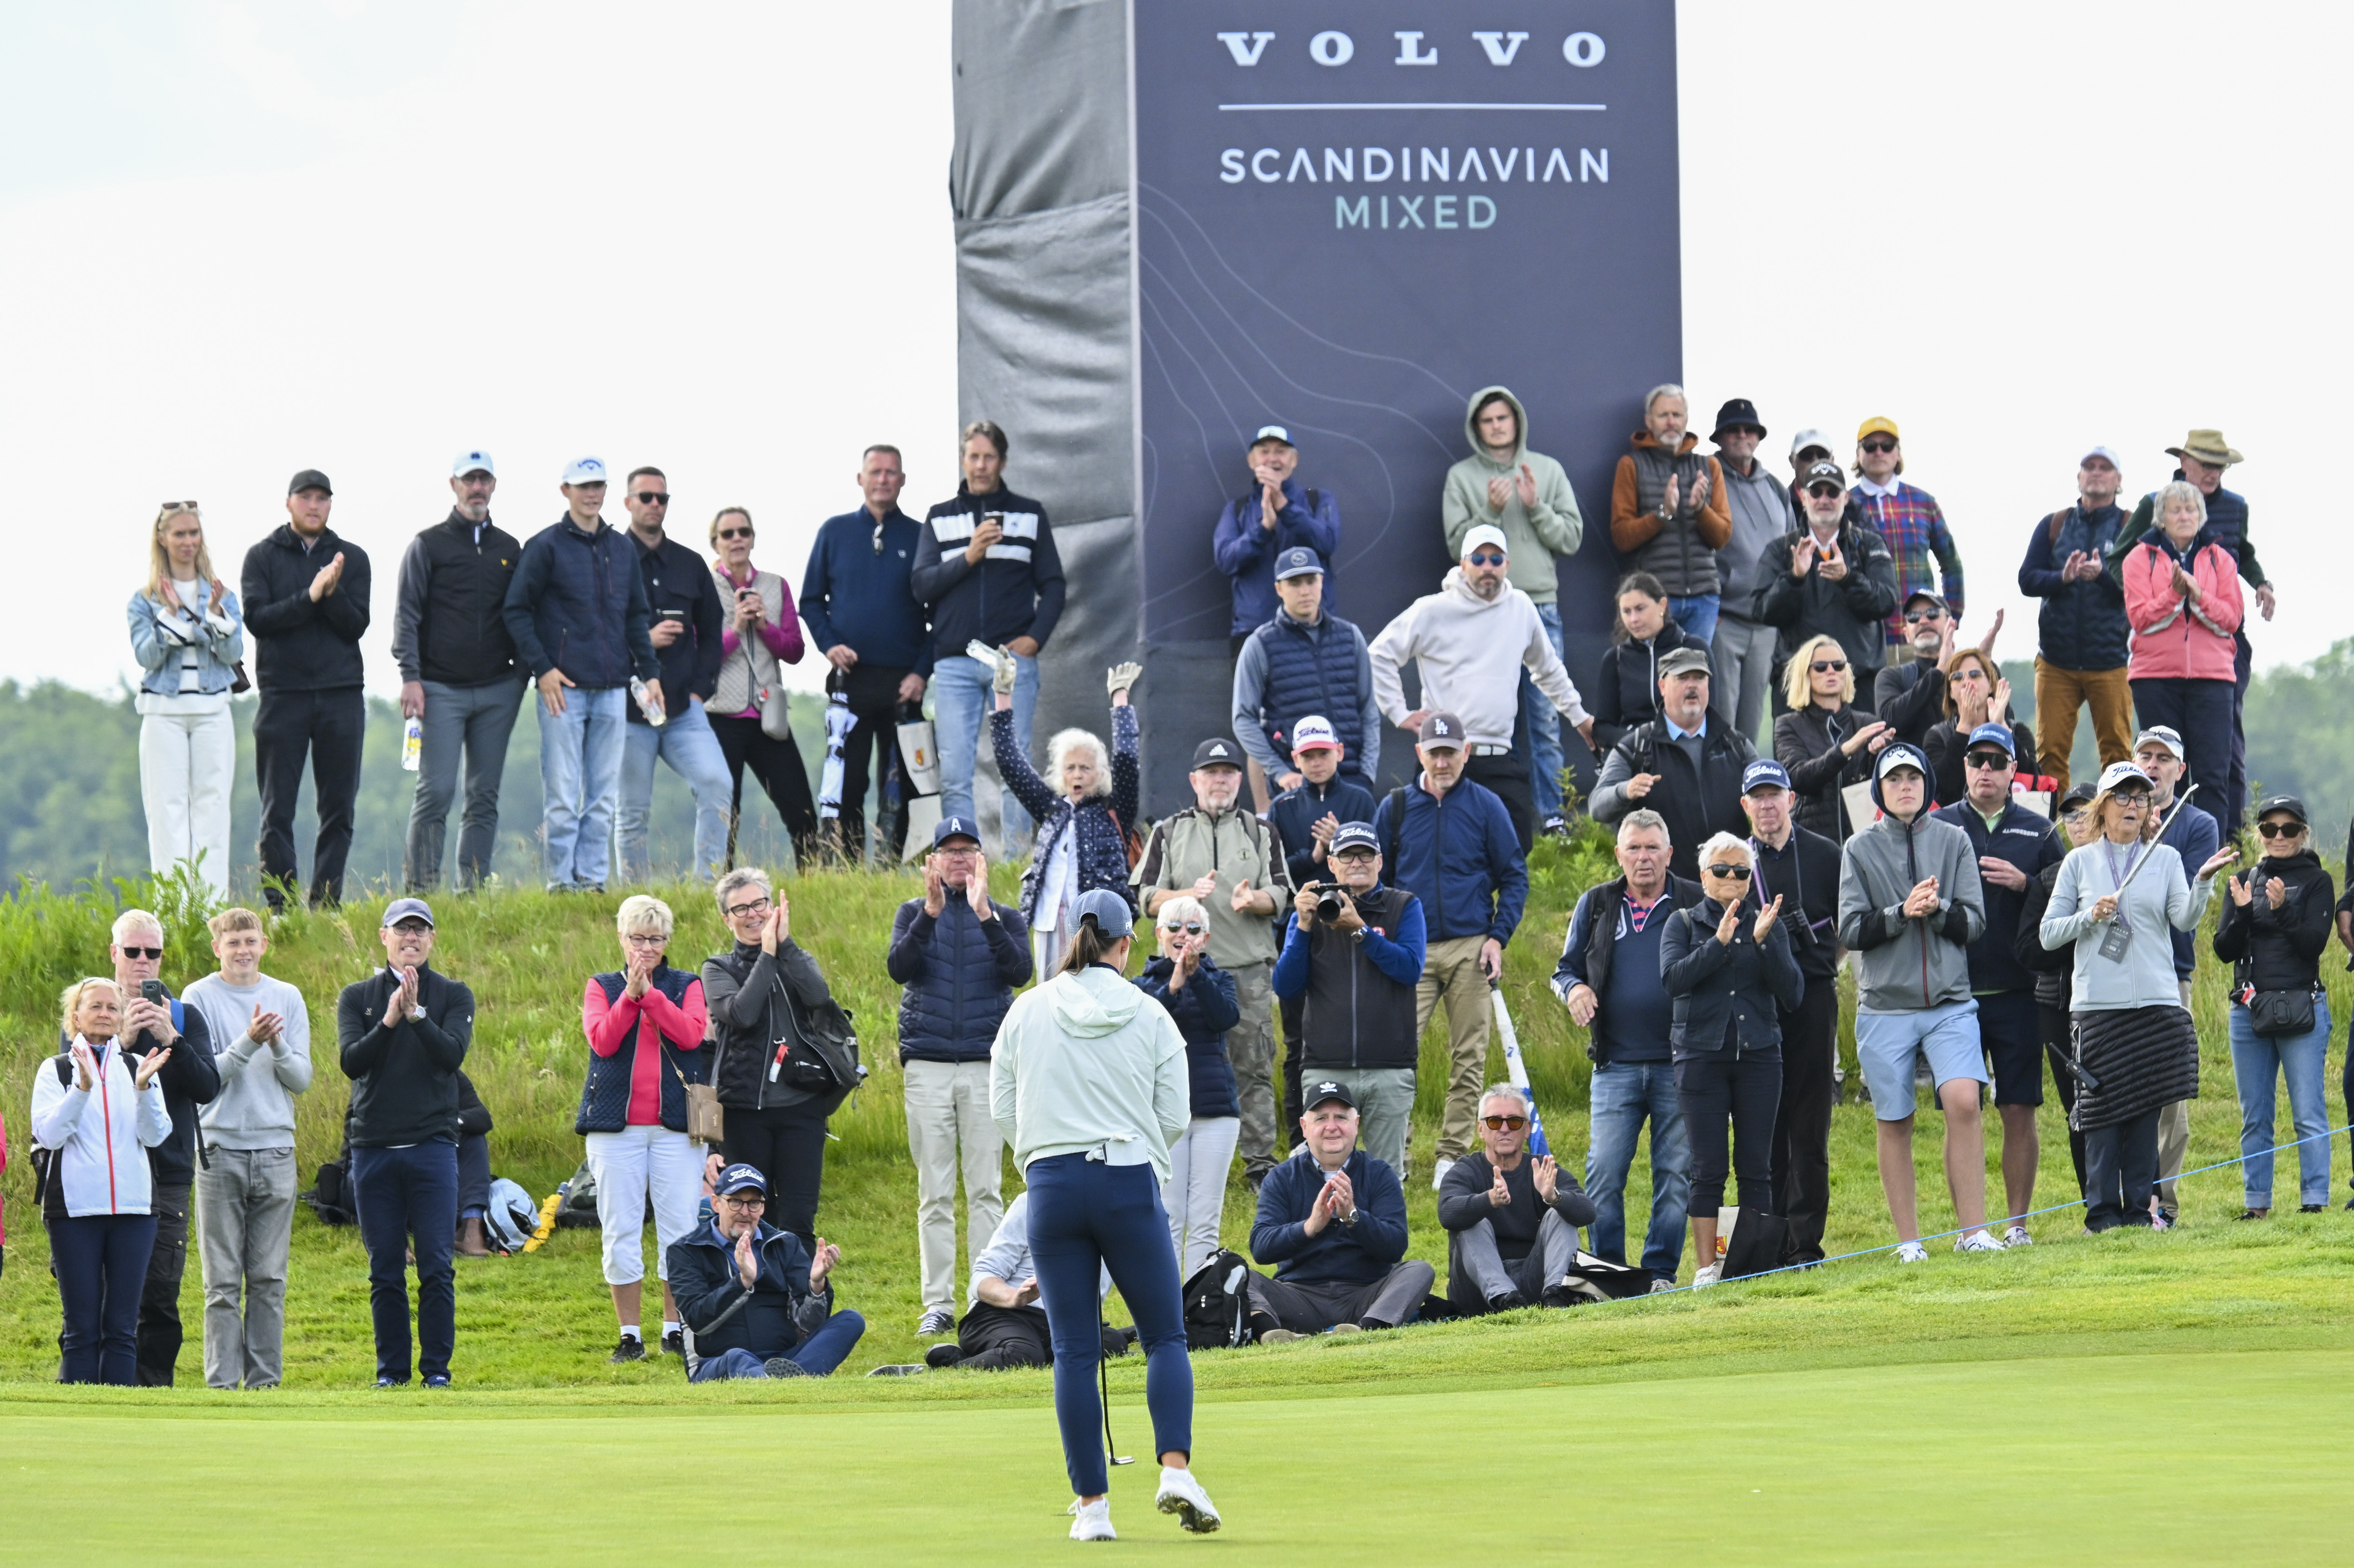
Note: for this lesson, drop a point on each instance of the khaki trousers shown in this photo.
(949, 1125)
(1451, 969)
(2058, 693)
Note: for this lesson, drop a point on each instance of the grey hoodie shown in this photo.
(1905, 964)
(1533, 536)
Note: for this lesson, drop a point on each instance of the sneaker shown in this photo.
(1182, 1495)
(944, 1355)
(938, 1320)
(437, 1380)
(1438, 1175)
(392, 1382)
(2312, 1208)
(1912, 1252)
(898, 1369)
(1704, 1278)
(1661, 1287)
(1979, 1240)
(674, 1343)
(630, 1348)
(783, 1366)
(1863, 1097)
(1345, 1329)
(1092, 1520)
(2017, 1236)
(1279, 1337)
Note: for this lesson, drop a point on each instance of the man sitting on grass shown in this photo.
(756, 1304)
(1004, 1325)
(1511, 1220)
(1332, 1220)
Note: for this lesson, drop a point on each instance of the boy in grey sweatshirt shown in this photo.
(246, 1180)
(1910, 904)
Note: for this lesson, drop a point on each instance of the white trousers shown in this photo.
(1195, 1194)
(186, 762)
(630, 1166)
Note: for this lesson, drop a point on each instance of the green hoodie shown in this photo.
(1533, 534)
(1086, 1061)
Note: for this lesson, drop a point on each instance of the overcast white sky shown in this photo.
(244, 238)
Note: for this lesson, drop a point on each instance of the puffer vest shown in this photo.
(952, 1014)
(605, 1097)
(1313, 669)
(1675, 555)
(1354, 1016)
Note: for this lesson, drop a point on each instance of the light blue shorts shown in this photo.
(1885, 1043)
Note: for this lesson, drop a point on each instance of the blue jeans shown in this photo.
(1086, 1216)
(961, 701)
(1543, 722)
(1696, 613)
(692, 749)
(1625, 1093)
(579, 778)
(818, 1355)
(2257, 1063)
(101, 1265)
(409, 1198)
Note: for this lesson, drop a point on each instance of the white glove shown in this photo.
(1122, 677)
(1002, 682)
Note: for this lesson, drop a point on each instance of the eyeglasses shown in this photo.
(1733, 873)
(738, 911)
(1987, 761)
(752, 1200)
(1354, 855)
(1820, 665)
(156, 953)
(1191, 928)
(646, 940)
(1486, 558)
(963, 851)
(1913, 616)
(747, 533)
(2268, 830)
(1504, 1123)
(654, 498)
(1876, 447)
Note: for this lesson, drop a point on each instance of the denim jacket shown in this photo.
(159, 644)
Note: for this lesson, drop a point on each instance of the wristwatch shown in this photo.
(1349, 1219)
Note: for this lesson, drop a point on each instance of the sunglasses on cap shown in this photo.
(1504, 1123)
(1734, 872)
(170, 507)
(1822, 665)
(1876, 445)
(1486, 558)
(2268, 830)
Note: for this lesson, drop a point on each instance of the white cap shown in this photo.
(468, 462)
(1806, 439)
(2102, 452)
(1313, 730)
(1272, 433)
(1486, 534)
(584, 471)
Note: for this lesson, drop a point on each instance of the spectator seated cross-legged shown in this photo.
(1082, 842)
(1004, 1326)
(1511, 1219)
(1200, 999)
(756, 1303)
(1331, 1218)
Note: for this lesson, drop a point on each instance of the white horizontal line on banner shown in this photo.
(1261, 108)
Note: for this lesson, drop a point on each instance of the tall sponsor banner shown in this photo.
(1351, 216)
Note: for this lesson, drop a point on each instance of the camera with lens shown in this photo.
(1329, 900)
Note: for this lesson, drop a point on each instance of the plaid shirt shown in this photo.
(1908, 519)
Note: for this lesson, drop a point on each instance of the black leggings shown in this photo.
(778, 765)
(787, 1145)
(1738, 1093)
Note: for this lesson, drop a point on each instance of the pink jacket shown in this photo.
(2177, 639)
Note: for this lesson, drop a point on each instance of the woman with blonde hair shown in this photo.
(1975, 694)
(1082, 833)
(188, 634)
(645, 1023)
(1825, 741)
(97, 1114)
(763, 635)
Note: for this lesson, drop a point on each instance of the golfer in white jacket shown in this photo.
(1087, 1081)
(1470, 640)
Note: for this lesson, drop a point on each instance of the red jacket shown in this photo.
(2175, 638)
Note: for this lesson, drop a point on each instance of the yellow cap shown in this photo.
(1878, 424)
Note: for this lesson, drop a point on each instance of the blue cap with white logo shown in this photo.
(953, 828)
(740, 1177)
(1995, 735)
(1298, 561)
(1763, 771)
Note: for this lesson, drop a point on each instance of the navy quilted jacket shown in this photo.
(958, 972)
(605, 1097)
(1204, 1009)
(1101, 820)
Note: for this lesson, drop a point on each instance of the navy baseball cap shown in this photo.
(740, 1176)
(401, 910)
(1298, 561)
(1996, 735)
(1765, 770)
(955, 827)
(1113, 917)
(1353, 835)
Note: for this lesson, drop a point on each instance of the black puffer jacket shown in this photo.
(2279, 950)
(1626, 692)
(2054, 968)
(1806, 744)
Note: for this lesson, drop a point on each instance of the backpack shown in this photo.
(329, 1198)
(511, 1218)
(1216, 1303)
(1591, 1279)
(578, 1209)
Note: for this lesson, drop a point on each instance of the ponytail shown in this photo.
(1089, 945)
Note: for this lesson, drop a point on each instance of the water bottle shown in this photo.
(412, 744)
(647, 703)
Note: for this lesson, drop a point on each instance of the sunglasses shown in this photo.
(1504, 1123)
(1486, 558)
(1820, 665)
(1987, 761)
(1191, 928)
(170, 506)
(879, 539)
(1827, 491)
(2268, 830)
(747, 533)
(654, 498)
(1876, 447)
(156, 953)
(1912, 617)
(1733, 873)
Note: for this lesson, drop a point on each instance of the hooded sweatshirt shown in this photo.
(1471, 651)
(1906, 965)
(1088, 1063)
(1532, 535)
